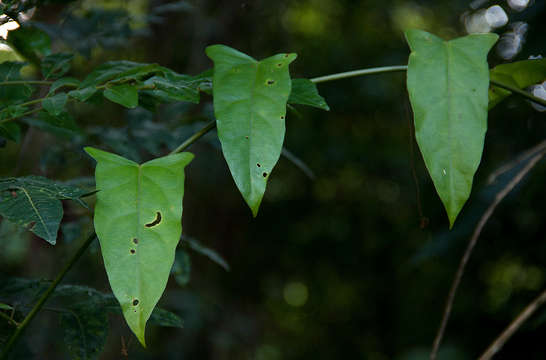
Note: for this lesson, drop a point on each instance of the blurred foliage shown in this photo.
(338, 267)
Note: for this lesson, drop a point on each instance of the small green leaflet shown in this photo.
(447, 83)
(10, 131)
(62, 125)
(12, 94)
(34, 202)
(137, 220)
(519, 74)
(55, 65)
(5, 307)
(125, 95)
(304, 92)
(63, 82)
(54, 105)
(250, 106)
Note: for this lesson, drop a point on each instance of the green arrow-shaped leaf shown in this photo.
(34, 202)
(305, 92)
(137, 220)
(250, 106)
(519, 74)
(447, 83)
(125, 95)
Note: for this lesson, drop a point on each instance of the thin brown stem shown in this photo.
(522, 157)
(513, 327)
(471, 244)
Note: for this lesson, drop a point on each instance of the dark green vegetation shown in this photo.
(350, 255)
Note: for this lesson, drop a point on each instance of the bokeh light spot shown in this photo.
(295, 294)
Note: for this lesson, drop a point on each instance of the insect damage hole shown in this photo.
(135, 302)
(264, 174)
(156, 221)
(132, 251)
(258, 165)
(135, 241)
(270, 82)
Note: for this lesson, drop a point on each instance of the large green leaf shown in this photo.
(305, 92)
(34, 202)
(519, 74)
(137, 220)
(250, 106)
(447, 83)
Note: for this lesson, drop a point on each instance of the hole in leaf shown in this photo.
(132, 251)
(270, 82)
(258, 165)
(156, 221)
(135, 240)
(264, 174)
(279, 65)
(282, 117)
(135, 302)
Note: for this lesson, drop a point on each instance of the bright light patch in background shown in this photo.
(511, 42)
(540, 92)
(409, 15)
(476, 23)
(518, 5)
(496, 16)
(4, 28)
(295, 294)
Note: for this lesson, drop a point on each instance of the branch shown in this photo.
(466, 256)
(524, 156)
(519, 92)
(396, 68)
(38, 306)
(513, 327)
(26, 82)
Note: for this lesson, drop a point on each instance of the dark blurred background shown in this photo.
(354, 264)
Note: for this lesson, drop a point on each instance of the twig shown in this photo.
(186, 144)
(9, 319)
(299, 163)
(518, 160)
(513, 327)
(466, 256)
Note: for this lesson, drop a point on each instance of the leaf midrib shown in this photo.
(450, 122)
(36, 211)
